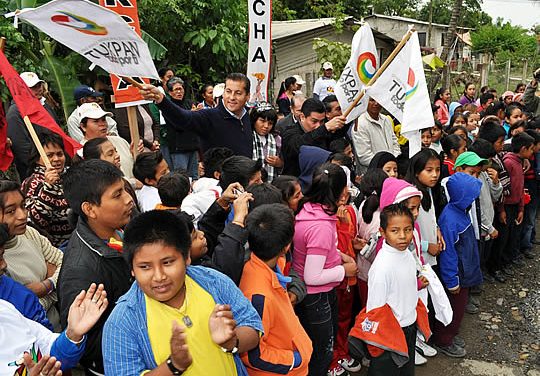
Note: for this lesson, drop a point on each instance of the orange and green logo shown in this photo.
(363, 72)
(412, 83)
(84, 25)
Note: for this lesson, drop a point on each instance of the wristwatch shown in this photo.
(172, 368)
(234, 350)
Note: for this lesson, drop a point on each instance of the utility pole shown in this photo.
(508, 66)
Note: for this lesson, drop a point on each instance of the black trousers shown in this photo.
(384, 365)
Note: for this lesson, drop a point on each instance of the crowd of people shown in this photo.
(277, 239)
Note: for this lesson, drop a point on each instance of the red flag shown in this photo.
(30, 106)
(6, 155)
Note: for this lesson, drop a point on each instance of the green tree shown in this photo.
(205, 38)
(471, 13)
(504, 41)
(336, 52)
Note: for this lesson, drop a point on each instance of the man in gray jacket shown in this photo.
(373, 133)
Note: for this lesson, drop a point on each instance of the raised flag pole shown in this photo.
(132, 118)
(29, 125)
(35, 138)
(380, 71)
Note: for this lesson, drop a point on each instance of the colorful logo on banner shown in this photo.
(412, 83)
(363, 73)
(84, 25)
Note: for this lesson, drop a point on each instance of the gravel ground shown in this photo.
(504, 338)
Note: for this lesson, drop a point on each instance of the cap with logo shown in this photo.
(92, 111)
(31, 79)
(327, 65)
(469, 158)
(84, 91)
(299, 79)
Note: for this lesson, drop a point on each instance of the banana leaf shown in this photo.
(157, 50)
(62, 77)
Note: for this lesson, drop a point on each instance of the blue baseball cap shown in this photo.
(84, 91)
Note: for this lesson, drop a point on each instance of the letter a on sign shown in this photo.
(260, 47)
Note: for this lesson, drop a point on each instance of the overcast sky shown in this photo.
(519, 12)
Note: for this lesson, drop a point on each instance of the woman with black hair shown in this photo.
(286, 92)
(44, 193)
(442, 98)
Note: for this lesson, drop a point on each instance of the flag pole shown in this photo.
(132, 118)
(380, 71)
(35, 138)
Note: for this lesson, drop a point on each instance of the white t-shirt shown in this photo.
(148, 198)
(392, 281)
(324, 87)
(19, 335)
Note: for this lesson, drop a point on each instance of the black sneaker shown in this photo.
(476, 290)
(518, 262)
(453, 351)
(528, 253)
(499, 276)
(458, 341)
(507, 270)
(488, 278)
(470, 308)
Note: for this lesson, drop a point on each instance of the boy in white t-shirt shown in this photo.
(149, 167)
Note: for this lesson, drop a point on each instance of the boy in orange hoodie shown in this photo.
(285, 348)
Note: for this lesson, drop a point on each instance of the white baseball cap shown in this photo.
(299, 79)
(92, 111)
(327, 65)
(31, 79)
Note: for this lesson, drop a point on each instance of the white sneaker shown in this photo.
(419, 359)
(426, 349)
(337, 371)
(351, 365)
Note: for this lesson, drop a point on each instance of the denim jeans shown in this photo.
(187, 161)
(529, 217)
(318, 314)
(164, 148)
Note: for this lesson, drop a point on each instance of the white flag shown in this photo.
(259, 49)
(360, 68)
(402, 90)
(99, 34)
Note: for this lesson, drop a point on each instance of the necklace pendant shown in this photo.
(187, 321)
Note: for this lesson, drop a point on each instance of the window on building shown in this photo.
(422, 38)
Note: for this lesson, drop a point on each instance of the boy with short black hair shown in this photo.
(176, 319)
(96, 193)
(172, 190)
(287, 348)
(149, 167)
(392, 302)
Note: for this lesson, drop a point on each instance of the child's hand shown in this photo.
(519, 218)
(502, 217)
(343, 214)
(52, 176)
(424, 282)
(494, 234)
(358, 243)
(350, 269)
(455, 291)
(293, 298)
(440, 240)
(493, 175)
(434, 249)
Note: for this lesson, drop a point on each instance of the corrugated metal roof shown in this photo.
(409, 20)
(282, 29)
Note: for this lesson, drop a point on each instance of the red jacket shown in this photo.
(380, 331)
(346, 232)
(514, 165)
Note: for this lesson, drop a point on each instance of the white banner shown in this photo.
(360, 68)
(260, 48)
(402, 90)
(98, 34)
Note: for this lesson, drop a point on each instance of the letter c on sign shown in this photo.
(255, 10)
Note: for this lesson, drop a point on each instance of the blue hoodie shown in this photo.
(309, 158)
(460, 261)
